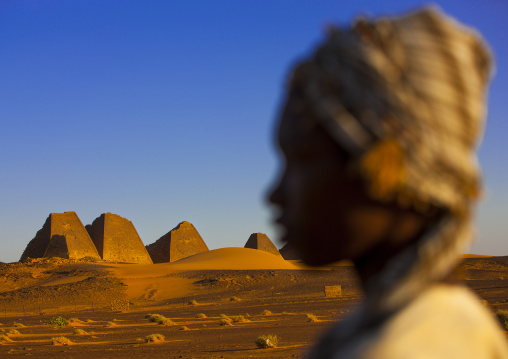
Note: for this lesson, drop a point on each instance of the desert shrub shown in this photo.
(18, 325)
(225, 321)
(312, 318)
(266, 312)
(57, 322)
(240, 319)
(502, 316)
(13, 332)
(110, 324)
(184, 328)
(165, 321)
(60, 341)
(154, 318)
(267, 341)
(154, 338)
(192, 302)
(201, 315)
(78, 332)
(234, 299)
(4, 338)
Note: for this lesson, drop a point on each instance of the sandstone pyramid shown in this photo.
(117, 240)
(62, 235)
(181, 242)
(262, 242)
(288, 252)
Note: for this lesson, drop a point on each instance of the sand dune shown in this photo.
(233, 258)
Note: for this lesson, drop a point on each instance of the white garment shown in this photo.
(444, 322)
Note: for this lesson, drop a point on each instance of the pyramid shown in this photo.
(262, 242)
(62, 235)
(181, 242)
(288, 252)
(117, 240)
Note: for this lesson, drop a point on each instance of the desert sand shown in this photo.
(111, 300)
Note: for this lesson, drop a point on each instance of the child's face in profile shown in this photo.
(325, 213)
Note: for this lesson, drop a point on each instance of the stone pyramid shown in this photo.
(288, 252)
(117, 240)
(181, 242)
(262, 242)
(62, 235)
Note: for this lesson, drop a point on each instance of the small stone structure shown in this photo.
(261, 242)
(288, 252)
(181, 242)
(62, 235)
(117, 240)
(333, 291)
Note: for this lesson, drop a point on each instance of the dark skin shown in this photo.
(325, 211)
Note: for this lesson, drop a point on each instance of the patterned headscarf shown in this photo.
(405, 97)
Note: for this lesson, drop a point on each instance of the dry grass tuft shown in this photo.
(234, 299)
(225, 321)
(312, 318)
(74, 320)
(79, 332)
(60, 341)
(18, 325)
(184, 328)
(266, 312)
(267, 341)
(110, 324)
(154, 338)
(166, 322)
(201, 315)
(4, 338)
(240, 319)
(192, 302)
(13, 332)
(154, 318)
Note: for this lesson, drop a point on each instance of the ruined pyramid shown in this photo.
(288, 252)
(117, 240)
(181, 242)
(262, 242)
(62, 235)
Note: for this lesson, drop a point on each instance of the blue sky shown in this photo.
(163, 111)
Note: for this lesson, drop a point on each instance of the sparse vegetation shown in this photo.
(78, 331)
(225, 321)
(57, 322)
(224, 316)
(266, 312)
(192, 302)
(4, 338)
(267, 341)
(184, 328)
(110, 324)
(154, 338)
(74, 320)
(60, 341)
(240, 319)
(201, 315)
(312, 318)
(502, 316)
(154, 318)
(165, 321)
(18, 325)
(234, 299)
(13, 332)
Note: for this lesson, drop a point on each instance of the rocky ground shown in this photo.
(116, 326)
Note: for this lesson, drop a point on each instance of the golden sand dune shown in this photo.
(233, 258)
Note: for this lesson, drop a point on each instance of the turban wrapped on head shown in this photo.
(405, 97)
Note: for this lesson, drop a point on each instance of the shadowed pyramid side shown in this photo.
(261, 242)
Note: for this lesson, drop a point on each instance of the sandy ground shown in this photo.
(229, 282)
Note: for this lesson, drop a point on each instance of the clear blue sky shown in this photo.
(163, 111)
